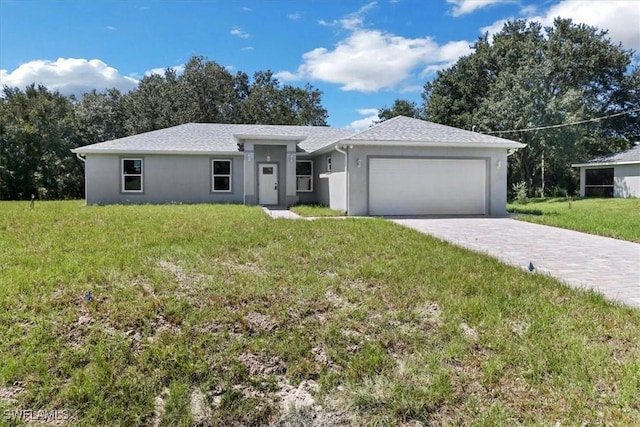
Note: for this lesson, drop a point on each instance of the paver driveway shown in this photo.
(581, 260)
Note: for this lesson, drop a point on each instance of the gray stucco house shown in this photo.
(402, 166)
(613, 175)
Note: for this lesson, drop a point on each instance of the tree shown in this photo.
(529, 77)
(37, 132)
(101, 116)
(400, 107)
(268, 102)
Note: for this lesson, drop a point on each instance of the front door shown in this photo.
(268, 184)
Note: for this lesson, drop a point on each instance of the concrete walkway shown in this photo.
(278, 212)
(581, 260)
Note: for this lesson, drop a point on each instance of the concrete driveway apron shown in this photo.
(609, 266)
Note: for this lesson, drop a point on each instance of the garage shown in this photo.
(428, 186)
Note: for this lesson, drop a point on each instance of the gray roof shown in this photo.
(631, 155)
(214, 137)
(419, 132)
(202, 138)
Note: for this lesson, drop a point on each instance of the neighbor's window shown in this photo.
(329, 164)
(304, 175)
(221, 180)
(132, 175)
(598, 182)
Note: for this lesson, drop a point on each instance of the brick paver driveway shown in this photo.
(607, 265)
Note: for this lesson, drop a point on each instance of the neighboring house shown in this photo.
(614, 175)
(402, 166)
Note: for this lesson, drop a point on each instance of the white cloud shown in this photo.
(355, 20)
(294, 16)
(236, 31)
(371, 60)
(620, 17)
(68, 76)
(328, 23)
(110, 28)
(464, 7)
(366, 122)
(246, 9)
(247, 48)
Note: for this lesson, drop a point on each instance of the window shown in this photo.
(132, 180)
(329, 164)
(598, 182)
(304, 176)
(221, 170)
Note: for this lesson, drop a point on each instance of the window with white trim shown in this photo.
(132, 178)
(328, 163)
(304, 176)
(221, 175)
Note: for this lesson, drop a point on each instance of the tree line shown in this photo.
(528, 76)
(39, 127)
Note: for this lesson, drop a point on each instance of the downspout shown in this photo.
(346, 171)
(82, 159)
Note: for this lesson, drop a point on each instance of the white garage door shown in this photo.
(427, 187)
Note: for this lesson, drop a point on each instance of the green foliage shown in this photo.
(520, 192)
(400, 107)
(210, 314)
(37, 130)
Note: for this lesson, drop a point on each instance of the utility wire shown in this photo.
(563, 124)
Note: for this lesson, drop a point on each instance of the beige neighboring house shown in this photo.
(613, 175)
(402, 166)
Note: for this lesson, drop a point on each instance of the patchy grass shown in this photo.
(618, 218)
(220, 315)
(316, 211)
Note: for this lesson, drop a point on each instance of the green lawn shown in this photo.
(215, 315)
(619, 218)
(316, 211)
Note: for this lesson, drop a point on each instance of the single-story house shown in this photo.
(402, 166)
(613, 175)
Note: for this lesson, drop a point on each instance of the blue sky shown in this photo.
(362, 54)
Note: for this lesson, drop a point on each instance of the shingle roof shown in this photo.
(213, 137)
(419, 132)
(631, 155)
(200, 138)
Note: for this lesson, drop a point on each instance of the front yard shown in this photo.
(220, 315)
(618, 218)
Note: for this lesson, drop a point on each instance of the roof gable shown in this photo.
(420, 132)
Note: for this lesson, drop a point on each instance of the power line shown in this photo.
(563, 124)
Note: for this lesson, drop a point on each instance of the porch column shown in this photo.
(249, 175)
(291, 197)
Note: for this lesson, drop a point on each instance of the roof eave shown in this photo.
(244, 136)
(436, 144)
(145, 152)
(581, 165)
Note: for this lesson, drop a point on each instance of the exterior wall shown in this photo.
(167, 178)
(358, 179)
(330, 185)
(626, 181)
